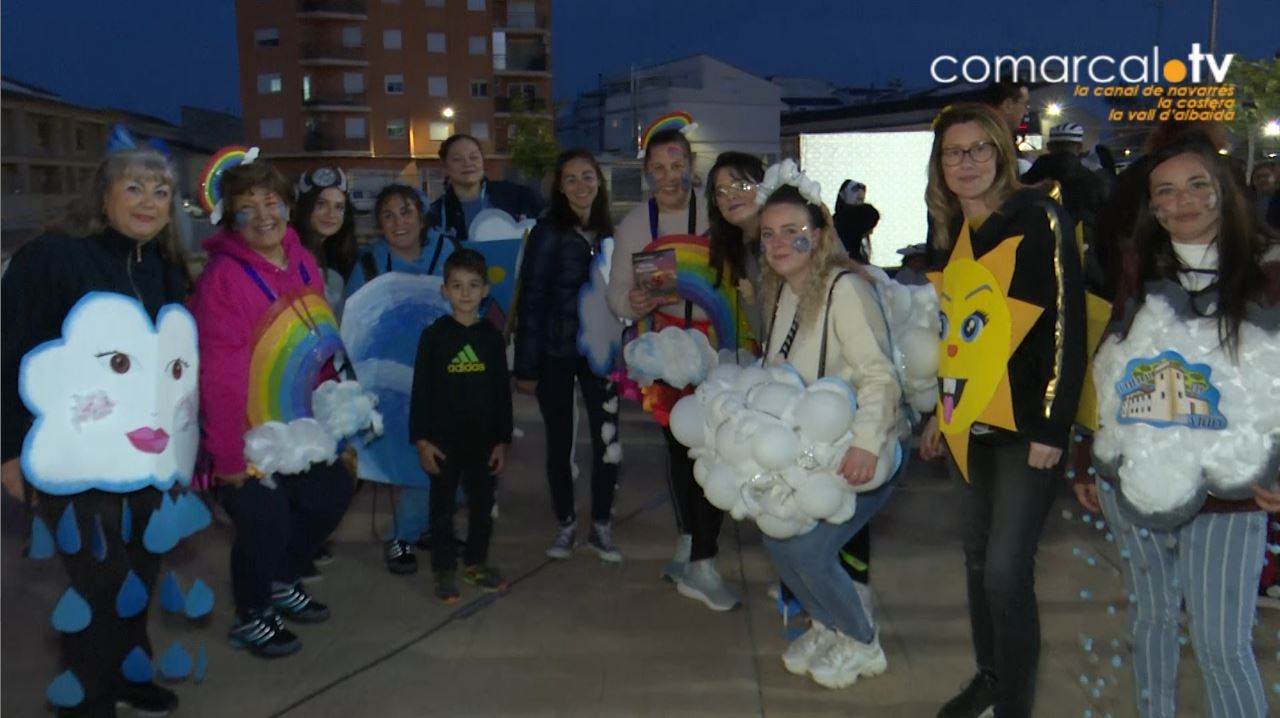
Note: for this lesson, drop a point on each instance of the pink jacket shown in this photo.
(227, 304)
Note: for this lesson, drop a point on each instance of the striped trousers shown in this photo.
(1212, 563)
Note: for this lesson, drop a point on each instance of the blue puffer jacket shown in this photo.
(557, 262)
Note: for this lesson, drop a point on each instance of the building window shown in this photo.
(354, 128)
(267, 37)
(45, 179)
(271, 128)
(391, 39)
(435, 42)
(87, 139)
(479, 88)
(476, 5)
(438, 86)
(396, 130)
(306, 88)
(352, 37)
(439, 131)
(394, 84)
(478, 44)
(352, 82)
(269, 83)
(41, 133)
(435, 3)
(11, 181)
(480, 130)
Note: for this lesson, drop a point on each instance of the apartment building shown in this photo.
(374, 86)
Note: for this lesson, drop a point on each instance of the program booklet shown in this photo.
(655, 273)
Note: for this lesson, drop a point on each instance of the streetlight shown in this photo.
(447, 113)
(1271, 129)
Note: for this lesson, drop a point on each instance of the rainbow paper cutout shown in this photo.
(222, 160)
(289, 355)
(695, 281)
(677, 120)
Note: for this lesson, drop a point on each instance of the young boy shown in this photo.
(460, 421)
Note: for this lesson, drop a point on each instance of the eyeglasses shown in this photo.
(979, 152)
(736, 186)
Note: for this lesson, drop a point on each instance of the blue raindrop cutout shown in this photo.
(98, 539)
(193, 515)
(132, 598)
(170, 593)
(161, 533)
(199, 600)
(41, 540)
(137, 666)
(175, 664)
(65, 691)
(72, 614)
(68, 531)
(202, 664)
(126, 521)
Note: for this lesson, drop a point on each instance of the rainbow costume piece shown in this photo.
(678, 120)
(695, 281)
(222, 160)
(295, 346)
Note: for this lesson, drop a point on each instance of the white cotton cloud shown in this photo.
(599, 329)
(278, 448)
(679, 357)
(1166, 468)
(495, 224)
(114, 399)
(345, 409)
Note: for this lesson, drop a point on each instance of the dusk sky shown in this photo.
(155, 55)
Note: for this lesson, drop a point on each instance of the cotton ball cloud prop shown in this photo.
(1219, 430)
(914, 325)
(767, 447)
(278, 448)
(344, 408)
(679, 357)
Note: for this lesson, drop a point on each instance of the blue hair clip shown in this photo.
(122, 140)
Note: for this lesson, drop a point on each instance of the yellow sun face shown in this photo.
(981, 328)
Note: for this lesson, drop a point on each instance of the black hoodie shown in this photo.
(45, 280)
(461, 390)
(1046, 372)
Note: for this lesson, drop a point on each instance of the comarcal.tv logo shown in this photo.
(1196, 67)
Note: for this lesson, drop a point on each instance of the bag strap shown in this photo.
(369, 265)
(826, 324)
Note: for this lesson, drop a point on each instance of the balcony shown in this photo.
(524, 22)
(331, 53)
(338, 102)
(522, 64)
(333, 9)
(504, 105)
(320, 142)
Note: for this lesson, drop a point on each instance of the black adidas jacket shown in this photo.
(461, 387)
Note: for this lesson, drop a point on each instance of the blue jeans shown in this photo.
(412, 519)
(809, 565)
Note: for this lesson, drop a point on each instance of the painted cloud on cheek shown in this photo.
(114, 399)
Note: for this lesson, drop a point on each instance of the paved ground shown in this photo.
(581, 638)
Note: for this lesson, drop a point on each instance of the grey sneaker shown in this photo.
(702, 582)
(675, 567)
(563, 546)
(601, 540)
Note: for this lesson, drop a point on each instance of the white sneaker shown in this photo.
(804, 650)
(702, 581)
(674, 568)
(848, 660)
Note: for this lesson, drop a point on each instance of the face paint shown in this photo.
(1211, 201)
(674, 152)
(243, 217)
(801, 243)
(686, 180)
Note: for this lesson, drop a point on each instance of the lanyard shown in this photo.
(444, 219)
(305, 314)
(693, 215)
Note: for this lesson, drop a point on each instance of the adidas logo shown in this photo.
(466, 361)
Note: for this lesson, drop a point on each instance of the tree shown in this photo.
(1257, 87)
(533, 145)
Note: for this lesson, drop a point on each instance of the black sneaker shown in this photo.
(264, 635)
(447, 587)
(324, 556)
(147, 699)
(296, 604)
(311, 574)
(974, 701)
(485, 578)
(400, 558)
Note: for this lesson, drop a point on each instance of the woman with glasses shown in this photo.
(735, 226)
(1011, 368)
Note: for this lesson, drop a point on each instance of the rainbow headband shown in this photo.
(678, 120)
(289, 355)
(696, 282)
(221, 161)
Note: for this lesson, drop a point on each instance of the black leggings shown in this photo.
(555, 400)
(694, 514)
(94, 654)
(1004, 507)
(279, 530)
